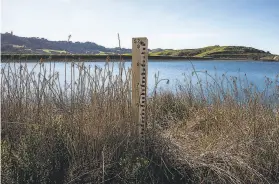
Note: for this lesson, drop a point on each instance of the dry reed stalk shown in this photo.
(59, 136)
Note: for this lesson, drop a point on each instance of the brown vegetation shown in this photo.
(83, 132)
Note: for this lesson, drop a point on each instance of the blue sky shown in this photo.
(173, 24)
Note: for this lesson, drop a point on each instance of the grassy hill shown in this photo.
(12, 44)
(271, 58)
(218, 52)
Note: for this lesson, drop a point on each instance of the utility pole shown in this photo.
(69, 37)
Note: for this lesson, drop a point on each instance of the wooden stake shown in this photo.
(139, 83)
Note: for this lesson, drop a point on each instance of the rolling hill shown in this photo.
(12, 44)
(34, 45)
(218, 52)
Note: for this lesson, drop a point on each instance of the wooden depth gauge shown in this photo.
(139, 83)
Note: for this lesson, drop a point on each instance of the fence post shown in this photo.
(139, 84)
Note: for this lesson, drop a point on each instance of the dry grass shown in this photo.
(228, 143)
(82, 132)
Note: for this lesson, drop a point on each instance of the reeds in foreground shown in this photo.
(82, 131)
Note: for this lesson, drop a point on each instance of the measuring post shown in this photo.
(139, 83)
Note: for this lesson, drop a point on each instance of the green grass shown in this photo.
(163, 53)
(271, 58)
(18, 46)
(102, 53)
(49, 51)
(214, 51)
(127, 54)
(211, 50)
(105, 53)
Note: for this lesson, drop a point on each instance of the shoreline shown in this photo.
(91, 57)
(95, 58)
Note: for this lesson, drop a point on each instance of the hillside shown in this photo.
(218, 52)
(12, 44)
(34, 45)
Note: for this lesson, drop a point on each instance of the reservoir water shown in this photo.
(258, 73)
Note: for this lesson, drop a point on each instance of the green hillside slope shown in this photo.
(12, 44)
(217, 52)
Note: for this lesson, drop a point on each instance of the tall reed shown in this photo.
(81, 131)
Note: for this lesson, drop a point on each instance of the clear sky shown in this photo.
(173, 24)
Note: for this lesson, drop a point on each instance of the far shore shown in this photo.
(101, 58)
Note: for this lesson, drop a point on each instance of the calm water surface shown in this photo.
(178, 72)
